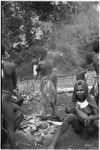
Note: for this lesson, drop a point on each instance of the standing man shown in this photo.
(11, 112)
(48, 85)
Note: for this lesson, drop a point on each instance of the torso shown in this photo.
(7, 71)
(85, 107)
(87, 110)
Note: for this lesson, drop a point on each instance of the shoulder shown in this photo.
(9, 67)
(9, 64)
(92, 101)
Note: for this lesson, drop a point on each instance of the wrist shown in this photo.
(91, 117)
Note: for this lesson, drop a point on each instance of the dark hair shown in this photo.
(85, 87)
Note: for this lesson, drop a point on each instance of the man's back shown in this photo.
(45, 67)
(9, 79)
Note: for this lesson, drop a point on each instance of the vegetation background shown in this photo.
(67, 29)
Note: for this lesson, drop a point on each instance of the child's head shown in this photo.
(54, 70)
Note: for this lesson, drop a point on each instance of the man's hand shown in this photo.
(88, 121)
(91, 117)
(77, 106)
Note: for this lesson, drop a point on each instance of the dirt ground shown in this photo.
(70, 140)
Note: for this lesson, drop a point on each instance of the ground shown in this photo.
(70, 140)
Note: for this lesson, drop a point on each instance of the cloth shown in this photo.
(48, 90)
(83, 104)
(34, 70)
(91, 102)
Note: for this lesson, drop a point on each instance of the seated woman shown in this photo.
(83, 115)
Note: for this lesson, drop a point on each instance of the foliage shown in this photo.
(69, 27)
(75, 38)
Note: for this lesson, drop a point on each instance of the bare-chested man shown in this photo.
(11, 112)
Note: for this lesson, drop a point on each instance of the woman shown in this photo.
(83, 115)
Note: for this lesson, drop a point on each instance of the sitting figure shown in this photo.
(11, 113)
(83, 115)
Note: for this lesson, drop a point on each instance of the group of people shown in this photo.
(83, 115)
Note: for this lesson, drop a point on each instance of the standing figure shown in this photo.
(48, 85)
(11, 113)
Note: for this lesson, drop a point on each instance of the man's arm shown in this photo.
(14, 79)
(95, 116)
(81, 114)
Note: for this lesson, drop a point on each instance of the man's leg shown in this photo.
(53, 108)
(70, 119)
(8, 116)
(93, 128)
(53, 100)
(18, 119)
(9, 125)
(18, 116)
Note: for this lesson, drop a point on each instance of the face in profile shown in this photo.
(80, 93)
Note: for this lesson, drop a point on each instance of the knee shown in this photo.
(67, 110)
(70, 118)
(91, 130)
(19, 114)
(70, 109)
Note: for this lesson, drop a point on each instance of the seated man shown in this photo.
(83, 115)
(11, 113)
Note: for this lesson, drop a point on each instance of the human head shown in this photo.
(80, 84)
(54, 70)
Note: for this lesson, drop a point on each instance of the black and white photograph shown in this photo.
(50, 75)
